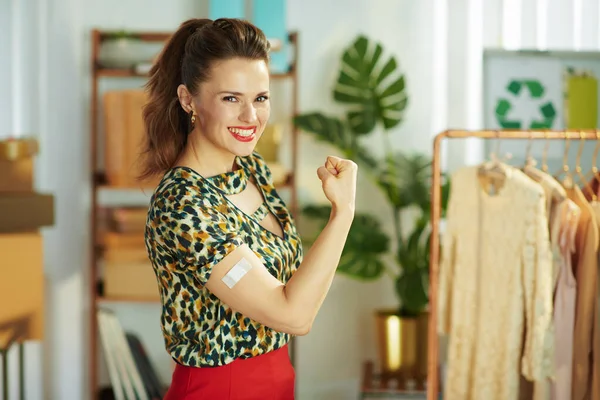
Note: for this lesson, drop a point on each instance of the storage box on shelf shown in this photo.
(16, 164)
(22, 213)
(123, 138)
(120, 270)
(22, 289)
(127, 272)
(21, 208)
(21, 286)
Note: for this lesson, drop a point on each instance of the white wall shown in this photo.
(438, 44)
(343, 337)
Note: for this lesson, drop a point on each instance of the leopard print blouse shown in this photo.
(191, 227)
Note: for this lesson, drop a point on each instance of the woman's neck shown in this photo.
(205, 158)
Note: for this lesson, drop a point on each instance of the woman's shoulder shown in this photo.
(181, 187)
(180, 207)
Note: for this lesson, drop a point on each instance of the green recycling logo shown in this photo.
(545, 113)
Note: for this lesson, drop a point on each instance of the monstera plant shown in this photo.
(374, 91)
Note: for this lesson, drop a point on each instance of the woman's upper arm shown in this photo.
(242, 282)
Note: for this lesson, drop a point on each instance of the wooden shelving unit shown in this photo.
(99, 183)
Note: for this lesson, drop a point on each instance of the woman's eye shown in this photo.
(262, 98)
(229, 98)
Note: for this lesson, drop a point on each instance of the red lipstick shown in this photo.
(243, 133)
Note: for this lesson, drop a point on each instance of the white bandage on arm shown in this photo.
(236, 273)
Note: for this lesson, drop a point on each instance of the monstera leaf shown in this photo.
(405, 179)
(374, 87)
(366, 243)
(326, 129)
(333, 131)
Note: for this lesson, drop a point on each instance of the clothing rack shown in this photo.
(433, 392)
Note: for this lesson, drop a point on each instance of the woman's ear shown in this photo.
(185, 98)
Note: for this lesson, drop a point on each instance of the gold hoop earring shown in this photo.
(193, 118)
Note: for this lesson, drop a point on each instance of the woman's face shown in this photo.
(233, 105)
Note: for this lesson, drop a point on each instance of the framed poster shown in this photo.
(524, 93)
(540, 90)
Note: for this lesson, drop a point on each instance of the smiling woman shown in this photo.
(209, 74)
(237, 93)
(228, 260)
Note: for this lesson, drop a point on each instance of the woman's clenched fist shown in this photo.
(338, 177)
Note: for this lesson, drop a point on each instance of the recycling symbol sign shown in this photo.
(525, 98)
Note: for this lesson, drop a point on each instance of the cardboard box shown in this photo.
(21, 212)
(16, 164)
(127, 271)
(132, 280)
(16, 176)
(126, 255)
(124, 136)
(18, 148)
(21, 287)
(116, 240)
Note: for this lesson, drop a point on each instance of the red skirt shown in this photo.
(268, 376)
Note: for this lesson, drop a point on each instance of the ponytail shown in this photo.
(167, 124)
(186, 59)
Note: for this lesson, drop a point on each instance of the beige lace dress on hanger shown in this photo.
(495, 283)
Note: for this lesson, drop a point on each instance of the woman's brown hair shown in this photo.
(186, 59)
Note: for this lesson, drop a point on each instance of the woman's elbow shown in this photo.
(302, 329)
(296, 328)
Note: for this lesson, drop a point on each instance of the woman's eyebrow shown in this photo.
(240, 93)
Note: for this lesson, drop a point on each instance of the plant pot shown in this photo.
(402, 345)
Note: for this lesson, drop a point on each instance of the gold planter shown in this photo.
(402, 344)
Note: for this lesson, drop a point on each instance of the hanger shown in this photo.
(582, 179)
(530, 163)
(492, 173)
(555, 189)
(568, 177)
(595, 175)
(494, 167)
(529, 160)
(545, 153)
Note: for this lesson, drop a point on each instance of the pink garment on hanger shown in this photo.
(564, 304)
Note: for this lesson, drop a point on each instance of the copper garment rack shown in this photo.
(433, 350)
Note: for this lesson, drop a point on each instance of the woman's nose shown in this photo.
(248, 114)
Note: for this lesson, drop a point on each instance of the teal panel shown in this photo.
(226, 9)
(270, 16)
